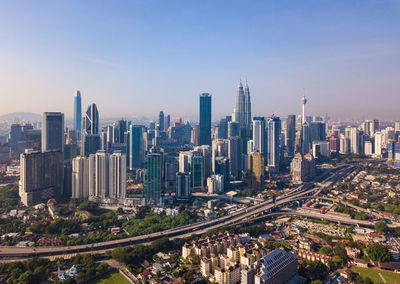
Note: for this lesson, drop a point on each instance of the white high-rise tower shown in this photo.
(303, 103)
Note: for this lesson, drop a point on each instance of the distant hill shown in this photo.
(21, 116)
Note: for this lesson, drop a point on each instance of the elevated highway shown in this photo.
(183, 231)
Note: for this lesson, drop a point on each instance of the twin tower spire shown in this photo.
(242, 110)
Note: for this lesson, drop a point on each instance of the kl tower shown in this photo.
(303, 103)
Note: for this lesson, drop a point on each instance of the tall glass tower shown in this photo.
(77, 112)
(239, 111)
(274, 142)
(205, 119)
(52, 131)
(153, 178)
(91, 123)
(247, 108)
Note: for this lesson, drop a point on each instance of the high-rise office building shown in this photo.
(78, 112)
(219, 149)
(33, 139)
(196, 166)
(91, 143)
(290, 134)
(233, 129)
(121, 129)
(183, 186)
(161, 121)
(256, 169)
(247, 108)
(153, 178)
(242, 110)
(91, 120)
(305, 139)
(42, 176)
(222, 168)
(15, 137)
(207, 158)
(136, 147)
(374, 126)
(167, 122)
(317, 131)
(235, 156)
(52, 131)
(223, 129)
(258, 134)
(205, 119)
(274, 142)
(171, 167)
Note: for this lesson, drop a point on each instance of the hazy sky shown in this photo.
(135, 58)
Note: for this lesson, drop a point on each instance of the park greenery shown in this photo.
(39, 270)
(381, 227)
(9, 198)
(378, 252)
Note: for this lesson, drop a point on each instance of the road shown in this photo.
(183, 231)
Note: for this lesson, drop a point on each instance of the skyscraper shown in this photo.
(183, 187)
(80, 177)
(91, 143)
(233, 129)
(161, 121)
(235, 156)
(274, 142)
(247, 108)
(41, 176)
(355, 141)
(136, 147)
(77, 112)
(196, 165)
(317, 131)
(290, 133)
(15, 137)
(122, 128)
(101, 174)
(153, 177)
(378, 138)
(205, 119)
(239, 114)
(52, 131)
(90, 132)
(117, 175)
(258, 134)
(223, 129)
(91, 121)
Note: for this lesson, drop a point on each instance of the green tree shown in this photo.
(326, 250)
(397, 231)
(26, 277)
(378, 252)
(380, 227)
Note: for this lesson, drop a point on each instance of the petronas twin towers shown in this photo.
(242, 110)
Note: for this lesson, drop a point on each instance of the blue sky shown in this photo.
(135, 58)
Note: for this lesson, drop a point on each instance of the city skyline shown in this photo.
(342, 53)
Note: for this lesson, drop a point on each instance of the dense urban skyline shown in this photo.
(145, 58)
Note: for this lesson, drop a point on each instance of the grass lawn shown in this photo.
(374, 275)
(110, 278)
